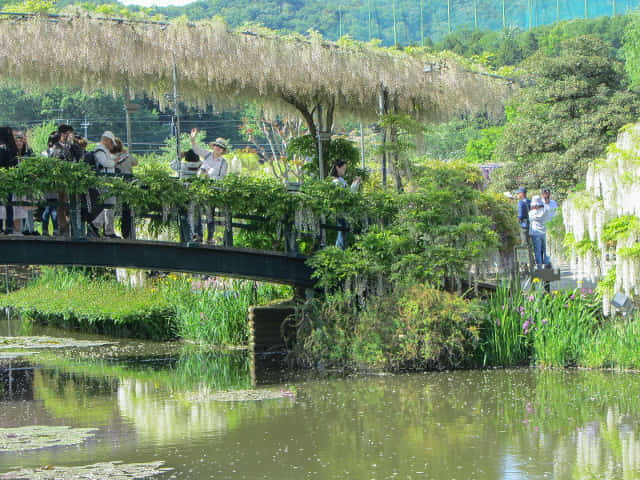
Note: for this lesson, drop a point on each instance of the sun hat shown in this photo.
(108, 134)
(522, 190)
(220, 142)
(537, 201)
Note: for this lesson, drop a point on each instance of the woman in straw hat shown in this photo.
(215, 166)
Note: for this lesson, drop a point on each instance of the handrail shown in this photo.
(79, 214)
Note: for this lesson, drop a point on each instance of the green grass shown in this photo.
(208, 311)
(75, 299)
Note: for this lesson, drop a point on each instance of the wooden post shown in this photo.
(75, 218)
(227, 239)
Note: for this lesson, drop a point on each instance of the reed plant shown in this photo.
(557, 329)
(213, 310)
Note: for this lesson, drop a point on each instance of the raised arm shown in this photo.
(201, 152)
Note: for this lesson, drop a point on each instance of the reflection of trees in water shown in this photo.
(608, 448)
(534, 420)
(16, 384)
(78, 398)
(191, 415)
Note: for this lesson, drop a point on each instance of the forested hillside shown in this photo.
(414, 19)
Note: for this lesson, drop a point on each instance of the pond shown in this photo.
(174, 411)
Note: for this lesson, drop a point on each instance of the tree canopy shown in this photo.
(567, 117)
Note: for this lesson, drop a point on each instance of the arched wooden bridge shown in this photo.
(277, 267)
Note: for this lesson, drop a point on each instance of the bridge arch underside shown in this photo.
(230, 262)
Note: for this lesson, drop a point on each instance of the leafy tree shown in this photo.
(573, 110)
(480, 150)
(631, 50)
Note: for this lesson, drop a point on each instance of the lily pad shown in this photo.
(110, 470)
(37, 436)
(48, 342)
(238, 395)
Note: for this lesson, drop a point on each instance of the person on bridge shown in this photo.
(25, 214)
(538, 216)
(105, 163)
(8, 159)
(50, 213)
(338, 171)
(524, 205)
(124, 164)
(65, 150)
(214, 166)
(549, 203)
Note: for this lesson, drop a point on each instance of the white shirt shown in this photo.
(104, 158)
(551, 206)
(215, 168)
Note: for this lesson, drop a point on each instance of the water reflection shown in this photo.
(518, 424)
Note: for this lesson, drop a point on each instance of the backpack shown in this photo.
(90, 159)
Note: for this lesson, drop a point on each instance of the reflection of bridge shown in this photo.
(152, 255)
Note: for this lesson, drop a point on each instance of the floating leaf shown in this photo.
(37, 436)
(110, 470)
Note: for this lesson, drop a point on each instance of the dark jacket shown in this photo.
(7, 157)
(69, 153)
(524, 206)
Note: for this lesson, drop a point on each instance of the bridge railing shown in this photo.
(267, 213)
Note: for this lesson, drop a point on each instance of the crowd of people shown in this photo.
(52, 209)
(533, 215)
(108, 156)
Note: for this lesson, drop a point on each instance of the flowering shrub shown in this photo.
(548, 329)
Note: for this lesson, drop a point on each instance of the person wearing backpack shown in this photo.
(124, 165)
(105, 163)
(50, 213)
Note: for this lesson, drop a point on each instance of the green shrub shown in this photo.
(413, 327)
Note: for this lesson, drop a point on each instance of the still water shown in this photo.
(219, 415)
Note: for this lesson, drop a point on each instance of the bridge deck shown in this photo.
(154, 255)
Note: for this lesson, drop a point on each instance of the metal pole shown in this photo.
(362, 146)
(475, 12)
(421, 24)
(85, 124)
(504, 15)
(395, 30)
(127, 119)
(449, 14)
(369, 20)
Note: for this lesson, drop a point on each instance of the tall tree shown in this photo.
(567, 117)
